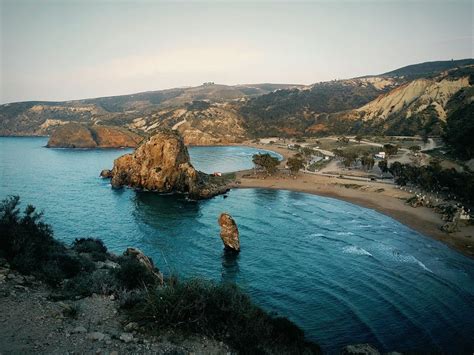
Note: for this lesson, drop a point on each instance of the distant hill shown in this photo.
(410, 100)
(41, 117)
(428, 68)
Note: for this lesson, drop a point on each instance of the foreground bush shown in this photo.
(28, 244)
(222, 312)
(95, 247)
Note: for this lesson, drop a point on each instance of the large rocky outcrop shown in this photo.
(162, 164)
(75, 135)
(229, 232)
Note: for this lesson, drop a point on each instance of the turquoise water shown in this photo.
(345, 274)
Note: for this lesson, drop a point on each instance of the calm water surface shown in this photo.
(345, 274)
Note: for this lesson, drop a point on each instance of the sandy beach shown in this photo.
(382, 197)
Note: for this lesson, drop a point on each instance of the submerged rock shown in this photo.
(229, 232)
(162, 164)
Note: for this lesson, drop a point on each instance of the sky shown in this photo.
(74, 49)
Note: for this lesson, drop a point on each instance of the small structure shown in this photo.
(380, 155)
(229, 233)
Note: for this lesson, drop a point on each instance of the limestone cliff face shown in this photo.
(162, 164)
(75, 135)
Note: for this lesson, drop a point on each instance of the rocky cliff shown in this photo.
(162, 164)
(76, 135)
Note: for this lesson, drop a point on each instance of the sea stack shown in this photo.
(161, 164)
(229, 233)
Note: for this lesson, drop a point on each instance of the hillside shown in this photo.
(411, 100)
(421, 106)
(41, 117)
(428, 68)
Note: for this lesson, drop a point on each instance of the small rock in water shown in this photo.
(229, 232)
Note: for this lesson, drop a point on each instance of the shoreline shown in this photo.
(381, 197)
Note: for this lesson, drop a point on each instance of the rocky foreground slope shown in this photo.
(162, 164)
(34, 323)
(76, 135)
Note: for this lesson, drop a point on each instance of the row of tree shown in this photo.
(434, 178)
(269, 164)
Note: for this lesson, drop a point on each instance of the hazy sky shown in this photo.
(61, 50)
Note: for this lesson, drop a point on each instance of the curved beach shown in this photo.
(382, 197)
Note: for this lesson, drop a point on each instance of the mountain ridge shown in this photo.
(221, 114)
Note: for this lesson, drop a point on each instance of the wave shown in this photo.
(352, 249)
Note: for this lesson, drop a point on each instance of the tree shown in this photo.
(295, 163)
(367, 161)
(383, 165)
(307, 152)
(396, 168)
(266, 162)
(424, 136)
(415, 148)
(390, 149)
(343, 140)
(358, 138)
(349, 158)
(460, 130)
(338, 153)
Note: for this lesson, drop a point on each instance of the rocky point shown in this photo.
(162, 164)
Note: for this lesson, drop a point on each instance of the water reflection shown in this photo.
(160, 210)
(230, 266)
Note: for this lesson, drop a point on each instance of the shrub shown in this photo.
(221, 311)
(28, 244)
(102, 282)
(132, 274)
(130, 298)
(25, 240)
(95, 247)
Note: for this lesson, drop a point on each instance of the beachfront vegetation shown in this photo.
(460, 131)
(433, 178)
(295, 163)
(266, 162)
(221, 311)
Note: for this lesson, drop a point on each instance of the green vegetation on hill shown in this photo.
(290, 112)
(460, 131)
(428, 68)
(221, 311)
